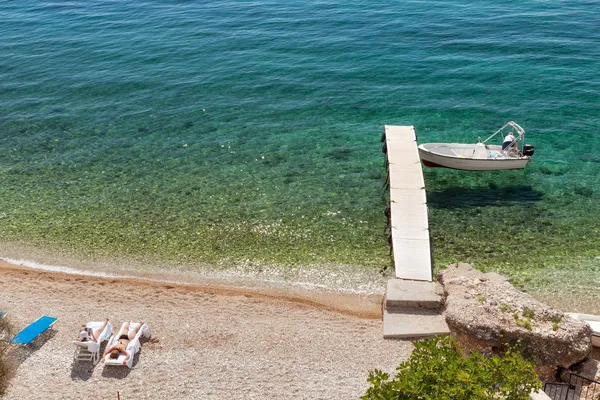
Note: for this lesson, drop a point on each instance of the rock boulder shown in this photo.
(489, 311)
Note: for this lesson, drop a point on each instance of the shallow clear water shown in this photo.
(232, 130)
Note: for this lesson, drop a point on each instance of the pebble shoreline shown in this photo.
(207, 343)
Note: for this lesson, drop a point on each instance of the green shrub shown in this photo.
(557, 319)
(506, 308)
(438, 369)
(524, 323)
(528, 313)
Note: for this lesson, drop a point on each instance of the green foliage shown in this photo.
(480, 298)
(524, 323)
(506, 308)
(438, 369)
(526, 320)
(556, 320)
(528, 313)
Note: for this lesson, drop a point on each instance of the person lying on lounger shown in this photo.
(124, 338)
(88, 335)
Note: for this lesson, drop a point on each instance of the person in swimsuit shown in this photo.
(123, 340)
(88, 335)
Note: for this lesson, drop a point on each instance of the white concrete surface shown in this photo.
(409, 220)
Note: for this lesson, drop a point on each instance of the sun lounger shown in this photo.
(132, 348)
(2, 315)
(90, 350)
(33, 331)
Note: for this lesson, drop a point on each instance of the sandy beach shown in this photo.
(209, 341)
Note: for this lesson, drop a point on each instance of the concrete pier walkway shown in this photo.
(408, 204)
(412, 301)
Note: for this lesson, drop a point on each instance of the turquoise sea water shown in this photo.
(213, 132)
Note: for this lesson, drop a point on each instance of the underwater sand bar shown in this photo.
(408, 204)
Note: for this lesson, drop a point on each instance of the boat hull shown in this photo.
(463, 159)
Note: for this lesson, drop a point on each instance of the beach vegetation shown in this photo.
(524, 323)
(439, 368)
(556, 320)
(528, 313)
(7, 365)
(506, 308)
(480, 297)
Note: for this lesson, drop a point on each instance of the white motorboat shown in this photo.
(594, 322)
(480, 156)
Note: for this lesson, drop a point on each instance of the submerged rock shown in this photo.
(487, 311)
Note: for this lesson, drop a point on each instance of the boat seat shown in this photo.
(480, 151)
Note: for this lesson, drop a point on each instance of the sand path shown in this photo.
(213, 342)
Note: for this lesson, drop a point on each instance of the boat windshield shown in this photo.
(510, 127)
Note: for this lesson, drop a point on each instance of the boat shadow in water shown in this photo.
(493, 195)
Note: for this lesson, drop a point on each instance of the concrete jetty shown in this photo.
(413, 301)
(408, 205)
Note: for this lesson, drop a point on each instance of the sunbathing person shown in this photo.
(88, 335)
(124, 337)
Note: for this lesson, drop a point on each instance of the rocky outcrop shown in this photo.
(489, 311)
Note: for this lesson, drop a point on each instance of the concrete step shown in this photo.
(402, 293)
(412, 323)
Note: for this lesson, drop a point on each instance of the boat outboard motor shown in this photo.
(528, 150)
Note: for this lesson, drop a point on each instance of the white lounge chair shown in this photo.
(132, 348)
(90, 350)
